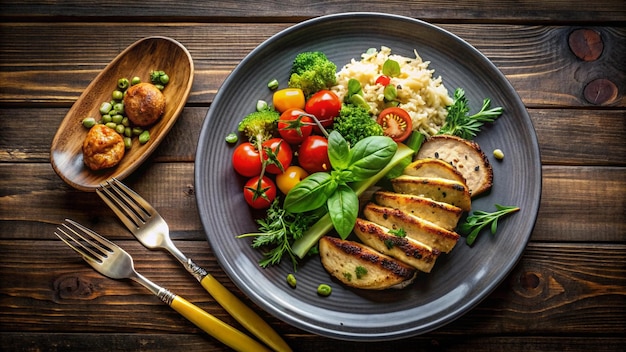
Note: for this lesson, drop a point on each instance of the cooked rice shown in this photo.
(425, 98)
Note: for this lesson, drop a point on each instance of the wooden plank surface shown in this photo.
(537, 60)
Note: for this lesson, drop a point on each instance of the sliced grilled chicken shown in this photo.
(466, 156)
(360, 266)
(430, 167)
(439, 189)
(442, 214)
(405, 249)
(416, 228)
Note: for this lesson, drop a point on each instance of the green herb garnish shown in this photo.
(480, 219)
(277, 231)
(459, 123)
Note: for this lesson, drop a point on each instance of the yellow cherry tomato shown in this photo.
(290, 178)
(288, 98)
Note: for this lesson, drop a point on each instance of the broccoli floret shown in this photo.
(259, 126)
(355, 123)
(311, 71)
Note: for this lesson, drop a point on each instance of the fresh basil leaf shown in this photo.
(343, 208)
(391, 68)
(310, 193)
(338, 151)
(370, 155)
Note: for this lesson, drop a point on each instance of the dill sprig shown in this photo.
(460, 123)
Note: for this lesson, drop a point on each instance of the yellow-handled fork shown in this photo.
(112, 261)
(147, 225)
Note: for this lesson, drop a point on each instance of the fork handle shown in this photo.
(215, 327)
(243, 314)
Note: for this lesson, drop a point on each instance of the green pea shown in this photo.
(126, 122)
(128, 142)
(159, 86)
(324, 290)
(137, 131)
(232, 138)
(119, 108)
(117, 95)
(117, 118)
(261, 105)
(135, 80)
(111, 125)
(120, 129)
(128, 132)
(164, 78)
(105, 108)
(106, 119)
(273, 84)
(498, 154)
(123, 83)
(144, 137)
(89, 122)
(291, 280)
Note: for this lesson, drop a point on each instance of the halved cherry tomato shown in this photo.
(291, 177)
(288, 98)
(259, 193)
(396, 123)
(246, 160)
(279, 153)
(313, 154)
(383, 80)
(294, 126)
(325, 105)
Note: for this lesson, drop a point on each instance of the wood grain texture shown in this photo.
(537, 60)
(292, 10)
(565, 60)
(547, 288)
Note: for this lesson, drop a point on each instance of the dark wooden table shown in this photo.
(565, 59)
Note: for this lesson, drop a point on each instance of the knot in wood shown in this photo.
(530, 284)
(586, 44)
(600, 91)
(73, 287)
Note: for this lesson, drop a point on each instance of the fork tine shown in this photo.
(130, 208)
(78, 246)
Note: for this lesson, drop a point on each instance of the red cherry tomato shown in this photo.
(279, 151)
(383, 80)
(325, 105)
(294, 127)
(246, 160)
(259, 193)
(396, 123)
(313, 154)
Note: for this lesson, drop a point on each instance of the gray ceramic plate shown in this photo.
(459, 280)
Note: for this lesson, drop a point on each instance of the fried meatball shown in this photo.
(144, 104)
(103, 148)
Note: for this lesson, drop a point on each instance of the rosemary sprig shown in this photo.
(480, 219)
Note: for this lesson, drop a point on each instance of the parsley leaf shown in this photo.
(480, 219)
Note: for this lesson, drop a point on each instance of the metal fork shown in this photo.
(112, 261)
(147, 225)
